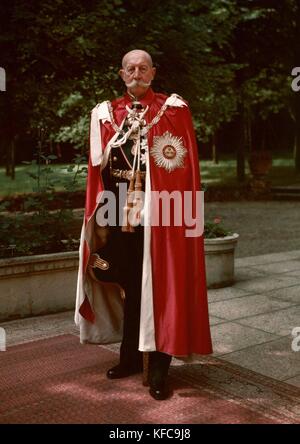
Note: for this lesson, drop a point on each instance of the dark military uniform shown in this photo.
(124, 253)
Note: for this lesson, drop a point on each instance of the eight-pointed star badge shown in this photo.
(168, 151)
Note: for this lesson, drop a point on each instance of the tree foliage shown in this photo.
(62, 57)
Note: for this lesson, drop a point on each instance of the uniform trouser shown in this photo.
(124, 252)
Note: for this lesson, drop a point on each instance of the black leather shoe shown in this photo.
(119, 372)
(159, 391)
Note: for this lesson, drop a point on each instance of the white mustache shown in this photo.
(135, 83)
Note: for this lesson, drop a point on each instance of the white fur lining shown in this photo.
(175, 100)
(79, 291)
(147, 329)
(99, 113)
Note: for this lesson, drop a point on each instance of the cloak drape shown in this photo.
(174, 308)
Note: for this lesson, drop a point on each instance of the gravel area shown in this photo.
(264, 226)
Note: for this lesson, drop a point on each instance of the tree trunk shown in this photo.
(7, 168)
(297, 146)
(241, 148)
(215, 156)
(296, 95)
(247, 133)
(6, 155)
(297, 133)
(240, 164)
(12, 158)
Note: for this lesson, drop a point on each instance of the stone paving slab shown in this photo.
(231, 336)
(274, 358)
(294, 381)
(278, 267)
(267, 283)
(221, 294)
(247, 273)
(213, 320)
(246, 306)
(293, 273)
(293, 254)
(263, 226)
(288, 280)
(267, 258)
(291, 294)
(264, 303)
(39, 327)
(279, 322)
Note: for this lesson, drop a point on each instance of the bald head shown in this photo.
(137, 53)
(137, 72)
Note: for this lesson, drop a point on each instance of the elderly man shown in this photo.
(144, 141)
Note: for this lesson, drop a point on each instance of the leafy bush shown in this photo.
(40, 229)
(37, 233)
(215, 229)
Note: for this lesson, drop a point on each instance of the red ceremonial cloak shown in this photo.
(174, 308)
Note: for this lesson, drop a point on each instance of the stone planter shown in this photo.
(44, 284)
(219, 260)
(35, 285)
(260, 163)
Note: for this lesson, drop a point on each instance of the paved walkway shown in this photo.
(263, 226)
(251, 321)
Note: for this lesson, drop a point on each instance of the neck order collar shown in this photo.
(145, 100)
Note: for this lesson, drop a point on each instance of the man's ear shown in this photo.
(153, 72)
(122, 73)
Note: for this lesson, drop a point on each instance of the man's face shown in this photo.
(137, 74)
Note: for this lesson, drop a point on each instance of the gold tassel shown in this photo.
(137, 195)
(138, 181)
(126, 227)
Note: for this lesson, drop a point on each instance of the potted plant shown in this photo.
(219, 246)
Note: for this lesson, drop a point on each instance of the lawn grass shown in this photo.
(222, 174)
(282, 172)
(23, 183)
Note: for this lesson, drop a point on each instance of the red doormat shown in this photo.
(57, 380)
